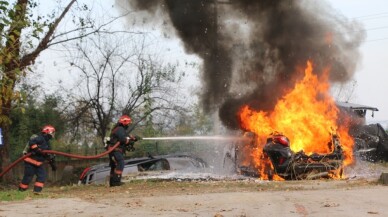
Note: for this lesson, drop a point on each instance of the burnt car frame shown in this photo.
(293, 166)
(278, 159)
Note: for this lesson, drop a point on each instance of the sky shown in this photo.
(371, 75)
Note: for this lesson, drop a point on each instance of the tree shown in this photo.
(344, 92)
(35, 114)
(117, 77)
(195, 122)
(24, 35)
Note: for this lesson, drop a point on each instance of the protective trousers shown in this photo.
(29, 171)
(116, 162)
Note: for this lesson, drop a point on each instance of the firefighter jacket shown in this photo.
(36, 145)
(119, 134)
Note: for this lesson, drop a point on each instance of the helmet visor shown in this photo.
(52, 134)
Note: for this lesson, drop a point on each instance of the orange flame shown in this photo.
(307, 115)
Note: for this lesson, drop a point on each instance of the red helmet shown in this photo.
(278, 137)
(48, 129)
(125, 120)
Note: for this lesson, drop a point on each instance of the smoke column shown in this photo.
(252, 49)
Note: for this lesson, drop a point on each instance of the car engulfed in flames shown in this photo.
(289, 165)
(314, 143)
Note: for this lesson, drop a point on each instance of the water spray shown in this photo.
(219, 138)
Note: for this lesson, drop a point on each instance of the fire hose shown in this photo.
(117, 144)
(60, 153)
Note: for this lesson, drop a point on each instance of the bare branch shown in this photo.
(29, 58)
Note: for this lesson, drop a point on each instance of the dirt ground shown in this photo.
(249, 197)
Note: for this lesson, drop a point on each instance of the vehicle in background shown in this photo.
(97, 174)
(371, 140)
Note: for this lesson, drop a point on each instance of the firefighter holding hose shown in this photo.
(116, 157)
(33, 165)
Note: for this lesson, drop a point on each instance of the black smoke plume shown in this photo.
(252, 49)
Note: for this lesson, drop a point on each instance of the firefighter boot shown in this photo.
(23, 187)
(111, 180)
(38, 187)
(115, 180)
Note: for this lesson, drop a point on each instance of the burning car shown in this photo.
(277, 158)
(290, 165)
(97, 174)
(308, 116)
(279, 162)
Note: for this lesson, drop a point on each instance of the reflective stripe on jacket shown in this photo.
(32, 161)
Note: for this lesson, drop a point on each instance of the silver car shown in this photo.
(98, 174)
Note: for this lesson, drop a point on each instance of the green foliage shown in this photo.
(194, 122)
(33, 25)
(14, 19)
(203, 123)
(13, 195)
(30, 117)
(16, 195)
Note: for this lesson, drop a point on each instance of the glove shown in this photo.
(37, 151)
(51, 157)
(130, 147)
(134, 138)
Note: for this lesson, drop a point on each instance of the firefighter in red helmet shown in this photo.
(116, 157)
(33, 165)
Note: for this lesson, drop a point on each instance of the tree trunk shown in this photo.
(6, 98)
(11, 72)
(13, 68)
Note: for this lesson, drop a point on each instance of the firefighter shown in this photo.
(116, 157)
(33, 165)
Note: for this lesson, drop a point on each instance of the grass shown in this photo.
(9, 192)
(15, 195)
(157, 187)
